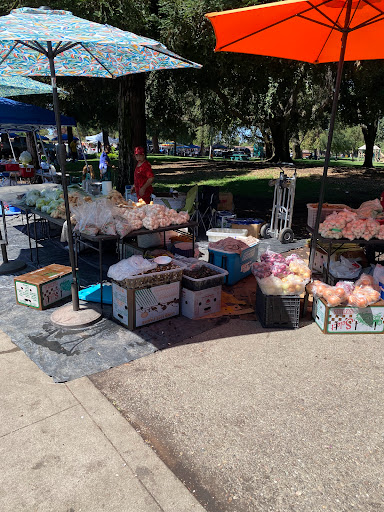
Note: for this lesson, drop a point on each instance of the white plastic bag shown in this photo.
(378, 276)
(345, 268)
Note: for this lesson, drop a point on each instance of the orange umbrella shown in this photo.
(303, 30)
(311, 31)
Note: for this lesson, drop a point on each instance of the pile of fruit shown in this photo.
(356, 224)
(363, 293)
(277, 275)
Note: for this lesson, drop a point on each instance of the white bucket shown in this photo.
(106, 187)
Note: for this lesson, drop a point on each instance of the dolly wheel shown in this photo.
(286, 236)
(265, 231)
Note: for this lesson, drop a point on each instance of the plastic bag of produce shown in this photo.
(129, 267)
(261, 269)
(369, 209)
(31, 197)
(293, 285)
(271, 285)
(272, 257)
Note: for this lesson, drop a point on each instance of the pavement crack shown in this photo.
(38, 421)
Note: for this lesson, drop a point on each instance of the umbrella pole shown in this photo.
(330, 135)
(70, 316)
(61, 157)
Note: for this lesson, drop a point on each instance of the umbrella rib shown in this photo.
(97, 60)
(168, 53)
(373, 20)
(332, 27)
(10, 51)
(315, 7)
(32, 47)
(327, 38)
(274, 24)
(65, 47)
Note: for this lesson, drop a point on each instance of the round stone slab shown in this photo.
(67, 318)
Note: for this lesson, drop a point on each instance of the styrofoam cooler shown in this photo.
(216, 234)
(237, 265)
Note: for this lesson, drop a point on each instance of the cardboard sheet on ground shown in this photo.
(230, 305)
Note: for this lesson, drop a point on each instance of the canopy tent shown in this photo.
(363, 148)
(99, 138)
(15, 115)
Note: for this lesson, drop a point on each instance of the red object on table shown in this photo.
(27, 172)
(11, 167)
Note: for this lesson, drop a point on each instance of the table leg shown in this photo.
(36, 244)
(29, 236)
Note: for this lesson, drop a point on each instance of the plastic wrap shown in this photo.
(261, 269)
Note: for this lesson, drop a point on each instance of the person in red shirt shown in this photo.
(143, 177)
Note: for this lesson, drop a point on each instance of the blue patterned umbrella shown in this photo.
(19, 86)
(49, 43)
(80, 47)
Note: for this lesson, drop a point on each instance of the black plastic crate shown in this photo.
(280, 311)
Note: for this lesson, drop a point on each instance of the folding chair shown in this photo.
(207, 205)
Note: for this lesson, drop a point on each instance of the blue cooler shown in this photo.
(237, 265)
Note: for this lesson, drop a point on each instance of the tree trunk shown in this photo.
(155, 143)
(174, 147)
(70, 134)
(280, 142)
(132, 126)
(369, 132)
(31, 147)
(297, 152)
(105, 138)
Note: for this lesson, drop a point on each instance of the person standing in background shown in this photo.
(143, 177)
(105, 162)
(73, 147)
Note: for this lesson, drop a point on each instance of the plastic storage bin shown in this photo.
(216, 234)
(280, 311)
(325, 211)
(27, 172)
(206, 282)
(237, 265)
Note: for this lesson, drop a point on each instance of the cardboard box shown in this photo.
(226, 201)
(44, 287)
(253, 229)
(135, 308)
(348, 319)
(200, 303)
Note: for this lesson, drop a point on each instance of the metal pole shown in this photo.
(330, 133)
(37, 148)
(10, 143)
(62, 158)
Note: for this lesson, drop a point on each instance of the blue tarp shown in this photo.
(16, 115)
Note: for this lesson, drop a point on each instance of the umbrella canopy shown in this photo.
(19, 86)
(80, 47)
(303, 30)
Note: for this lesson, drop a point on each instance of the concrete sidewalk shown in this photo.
(64, 447)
